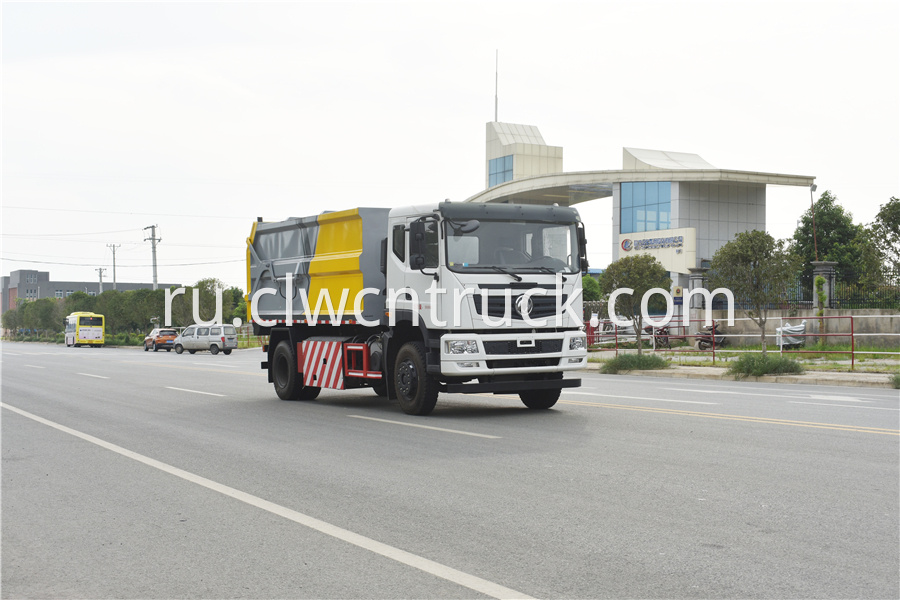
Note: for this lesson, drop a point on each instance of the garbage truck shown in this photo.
(414, 301)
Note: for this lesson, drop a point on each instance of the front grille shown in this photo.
(544, 306)
(510, 347)
(509, 363)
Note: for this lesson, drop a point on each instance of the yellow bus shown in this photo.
(84, 328)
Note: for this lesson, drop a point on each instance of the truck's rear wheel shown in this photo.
(540, 399)
(416, 389)
(288, 382)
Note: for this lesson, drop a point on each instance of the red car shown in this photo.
(160, 338)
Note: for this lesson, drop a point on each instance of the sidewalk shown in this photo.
(877, 380)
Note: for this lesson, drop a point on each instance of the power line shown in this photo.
(67, 264)
(35, 235)
(120, 212)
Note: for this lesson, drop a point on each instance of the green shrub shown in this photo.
(633, 362)
(757, 365)
(895, 381)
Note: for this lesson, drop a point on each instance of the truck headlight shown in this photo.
(577, 343)
(462, 347)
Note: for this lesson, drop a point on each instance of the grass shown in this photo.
(757, 365)
(895, 381)
(633, 362)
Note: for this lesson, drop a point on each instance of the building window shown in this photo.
(59, 294)
(69, 293)
(500, 170)
(645, 206)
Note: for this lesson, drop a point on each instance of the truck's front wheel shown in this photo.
(416, 390)
(540, 399)
(288, 382)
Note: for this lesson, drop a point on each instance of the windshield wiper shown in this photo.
(506, 272)
(543, 269)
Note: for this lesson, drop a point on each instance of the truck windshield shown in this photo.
(517, 246)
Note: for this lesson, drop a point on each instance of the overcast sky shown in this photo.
(200, 117)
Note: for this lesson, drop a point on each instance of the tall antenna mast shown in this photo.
(496, 84)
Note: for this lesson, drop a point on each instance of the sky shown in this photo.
(201, 117)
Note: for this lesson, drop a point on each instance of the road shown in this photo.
(129, 474)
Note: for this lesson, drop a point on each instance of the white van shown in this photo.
(207, 337)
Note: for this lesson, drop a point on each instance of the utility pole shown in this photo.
(100, 270)
(113, 248)
(153, 241)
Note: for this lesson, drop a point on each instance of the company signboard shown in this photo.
(676, 249)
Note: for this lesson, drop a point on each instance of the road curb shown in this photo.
(874, 380)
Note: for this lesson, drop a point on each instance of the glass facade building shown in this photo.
(500, 170)
(646, 206)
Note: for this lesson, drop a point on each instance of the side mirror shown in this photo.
(470, 226)
(417, 245)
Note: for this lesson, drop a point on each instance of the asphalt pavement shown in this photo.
(153, 475)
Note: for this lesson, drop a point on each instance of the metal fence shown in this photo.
(859, 289)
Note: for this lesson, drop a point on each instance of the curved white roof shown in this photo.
(639, 159)
(566, 189)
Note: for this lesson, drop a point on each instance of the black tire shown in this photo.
(191, 351)
(380, 389)
(540, 399)
(168, 349)
(213, 349)
(155, 347)
(703, 345)
(416, 389)
(179, 349)
(288, 382)
(226, 351)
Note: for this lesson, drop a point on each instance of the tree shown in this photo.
(885, 233)
(836, 236)
(590, 289)
(80, 302)
(12, 320)
(112, 305)
(758, 270)
(640, 272)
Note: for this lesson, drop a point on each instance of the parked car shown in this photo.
(160, 339)
(207, 337)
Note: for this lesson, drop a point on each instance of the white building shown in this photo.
(672, 205)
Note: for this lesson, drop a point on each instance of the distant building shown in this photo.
(32, 285)
(671, 205)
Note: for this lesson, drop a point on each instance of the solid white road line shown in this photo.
(843, 405)
(195, 391)
(35, 366)
(481, 435)
(95, 376)
(472, 582)
(779, 396)
(636, 398)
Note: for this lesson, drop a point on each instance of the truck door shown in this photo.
(421, 265)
